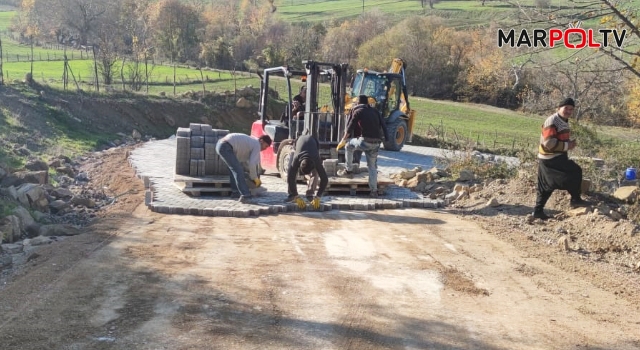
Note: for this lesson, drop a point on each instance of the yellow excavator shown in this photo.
(387, 92)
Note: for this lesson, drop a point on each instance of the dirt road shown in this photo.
(398, 279)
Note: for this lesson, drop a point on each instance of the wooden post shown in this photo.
(146, 71)
(1, 69)
(95, 68)
(122, 73)
(202, 80)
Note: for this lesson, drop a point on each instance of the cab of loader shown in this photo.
(387, 92)
(324, 114)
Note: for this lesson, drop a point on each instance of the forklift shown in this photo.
(324, 115)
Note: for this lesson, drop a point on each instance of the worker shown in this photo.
(306, 159)
(297, 106)
(374, 129)
(357, 132)
(555, 170)
(239, 151)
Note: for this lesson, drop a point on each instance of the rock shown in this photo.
(83, 176)
(438, 172)
(626, 193)
(586, 186)
(3, 173)
(10, 229)
(615, 215)
(66, 170)
(21, 177)
(243, 103)
(25, 217)
(58, 230)
(84, 202)
(407, 174)
(412, 182)
(462, 195)
(59, 206)
(55, 163)
(9, 192)
(421, 187)
(564, 243)
(13, 248)
(37, 165)
(36, 241)
(579, 211)
(466, 175)
(452, 196)
(493, 202)
(61, 192)
(136, 135)
(33, 196)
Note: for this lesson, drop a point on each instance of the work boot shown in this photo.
(373, 194)
(577, 203)
(345, 173)
(246, 200)
(235, 195)
(539, 214)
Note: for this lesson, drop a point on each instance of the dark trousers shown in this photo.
(559, 173)
(236, 171)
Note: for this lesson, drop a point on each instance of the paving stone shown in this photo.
(152, 160)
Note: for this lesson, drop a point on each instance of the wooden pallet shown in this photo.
(195, 186)
(358, 184)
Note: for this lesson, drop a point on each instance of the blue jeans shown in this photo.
(236, 176)
(371, 151)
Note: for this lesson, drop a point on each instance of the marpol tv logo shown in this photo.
(572, 37)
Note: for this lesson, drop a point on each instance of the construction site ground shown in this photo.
(406, 278)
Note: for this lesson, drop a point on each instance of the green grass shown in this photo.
(5, 19)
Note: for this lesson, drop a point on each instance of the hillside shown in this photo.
(50, 123)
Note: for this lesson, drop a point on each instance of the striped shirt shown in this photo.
(247, 150)
(555, 137)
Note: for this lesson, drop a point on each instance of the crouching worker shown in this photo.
(237, 149)
(555, 170)
(306, 159)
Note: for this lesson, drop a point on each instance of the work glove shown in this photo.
(341, 144)
(300, 202)
(315, 203)
(257, 182)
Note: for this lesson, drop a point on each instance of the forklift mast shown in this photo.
(324, 108)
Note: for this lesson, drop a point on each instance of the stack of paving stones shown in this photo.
(330, 167)
(196, 151)
(183, 151)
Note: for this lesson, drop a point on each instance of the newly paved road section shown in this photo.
(154, 162)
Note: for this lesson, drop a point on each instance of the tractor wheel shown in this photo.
(398, 132)
(285, 152)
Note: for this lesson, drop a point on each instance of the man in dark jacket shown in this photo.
(373, 129)
(297, 106)
(306, 159)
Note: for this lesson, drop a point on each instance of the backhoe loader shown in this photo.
(387, 91)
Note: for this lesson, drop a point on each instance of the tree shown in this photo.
(612, 14)
(175, 27)
(435, 54)
(341, 42)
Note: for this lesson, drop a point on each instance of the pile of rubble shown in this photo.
(437, 183)
(39, 207)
